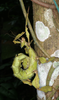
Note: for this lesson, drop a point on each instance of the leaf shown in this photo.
(27, 33)
(42, 60)
(16, 42)
(22, 42)
(46, 89)
(26, 63)
(51, 58)
(26, 29)
(32, 53)
(21, 56)
(27, 82)
(19, 35)
(26, 51)
(35, 82)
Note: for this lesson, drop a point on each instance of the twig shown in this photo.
(49, 75)
(31, 29)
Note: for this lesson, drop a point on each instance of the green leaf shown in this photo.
(21, 56)
(19, 35)
(42, 60)
(46, 89)
(26, 62)
(16, 42)
(27, 82)
(22, 42)
(26, 50)
(26, 29)
(27, 33)
(51, 58)
(35, 82)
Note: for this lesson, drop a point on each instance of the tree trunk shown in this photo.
(46, 27)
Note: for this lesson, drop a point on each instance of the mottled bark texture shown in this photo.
(50, 18)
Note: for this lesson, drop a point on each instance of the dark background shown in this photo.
(12, 22)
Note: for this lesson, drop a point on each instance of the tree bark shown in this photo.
(50, 18)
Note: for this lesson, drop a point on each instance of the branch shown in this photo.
(51, 69)
(51, 6)
(53, 92)
(31, 29)
(49, 75)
